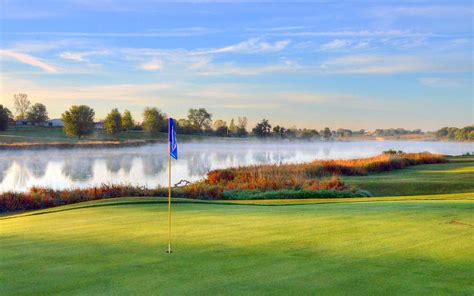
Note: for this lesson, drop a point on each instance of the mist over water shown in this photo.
(147, 165)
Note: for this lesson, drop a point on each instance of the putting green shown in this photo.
(400, 246)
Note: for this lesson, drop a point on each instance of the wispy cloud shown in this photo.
(351, 33)
(337, 99)
(251, 46)
(153, 65)
(442, 82)
(393, 64)
(81, 56)
(32, 46)
(29, 60)
(207, 68)
(131, 93)
(335, 44)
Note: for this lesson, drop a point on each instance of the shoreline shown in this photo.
(138, 143)
(79, 145)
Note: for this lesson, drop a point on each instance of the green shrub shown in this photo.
(292, 194)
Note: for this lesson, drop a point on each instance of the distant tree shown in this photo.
(279, 131)
(465, 133)
(5, 118)
(232, 127)
(220, 128)
(326, 133)
(185, 127)
(37, 114)
(470, 137)
(242, 126)
(343, 133)
(441, 133)
(78, 121)
(113, 122)
(21, 105)
(200, 119)
(127, 121)
(308, 134)
(262, 129)
(153, 120)
(290, 133)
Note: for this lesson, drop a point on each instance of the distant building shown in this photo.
(22, 123)
(54, 123)
(99, 125)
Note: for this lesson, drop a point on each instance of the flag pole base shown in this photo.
(169, 251)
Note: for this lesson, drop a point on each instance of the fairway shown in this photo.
(399, 246)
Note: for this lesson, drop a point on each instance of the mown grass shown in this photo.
(456, 176)
(44, 135)
(398, 247)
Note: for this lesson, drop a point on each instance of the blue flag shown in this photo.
(172, 138)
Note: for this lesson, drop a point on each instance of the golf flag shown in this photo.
(173, 152)
(172, 138)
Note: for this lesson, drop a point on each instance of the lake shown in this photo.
(147, 165)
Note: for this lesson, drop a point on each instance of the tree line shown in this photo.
(79, 121)
(458, 134)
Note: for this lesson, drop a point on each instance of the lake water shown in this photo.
(147, 165)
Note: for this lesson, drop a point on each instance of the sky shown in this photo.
(341, 64)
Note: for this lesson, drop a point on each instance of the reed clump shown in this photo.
(316, 175)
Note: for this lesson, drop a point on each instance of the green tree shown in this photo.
(153, 120)
(442, 133)
(5, 118)
(200, 119)
(21, 105)
(232, 127)
(452, 131)
(78, 121)
(463, 134)
(37, 114)
(113, 122)
(279, 131)
(326, 133)
(262, 129)
(309, 134)
(242, 126)
(220, 128)
(127, 120)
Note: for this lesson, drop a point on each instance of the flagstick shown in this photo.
(169, 199)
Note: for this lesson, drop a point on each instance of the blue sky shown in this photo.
(357, 64)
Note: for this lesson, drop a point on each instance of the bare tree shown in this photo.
(21, 105)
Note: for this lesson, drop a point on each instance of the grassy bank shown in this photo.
(456, 176)
(402, 247)
(44, 135)
(32, 137)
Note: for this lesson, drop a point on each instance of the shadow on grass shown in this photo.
(260, 203)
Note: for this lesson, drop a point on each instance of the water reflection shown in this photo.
(78, 169)
(153, 164)
(36, 166)
(147, 166)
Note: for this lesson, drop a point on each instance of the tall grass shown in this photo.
(307, 176)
